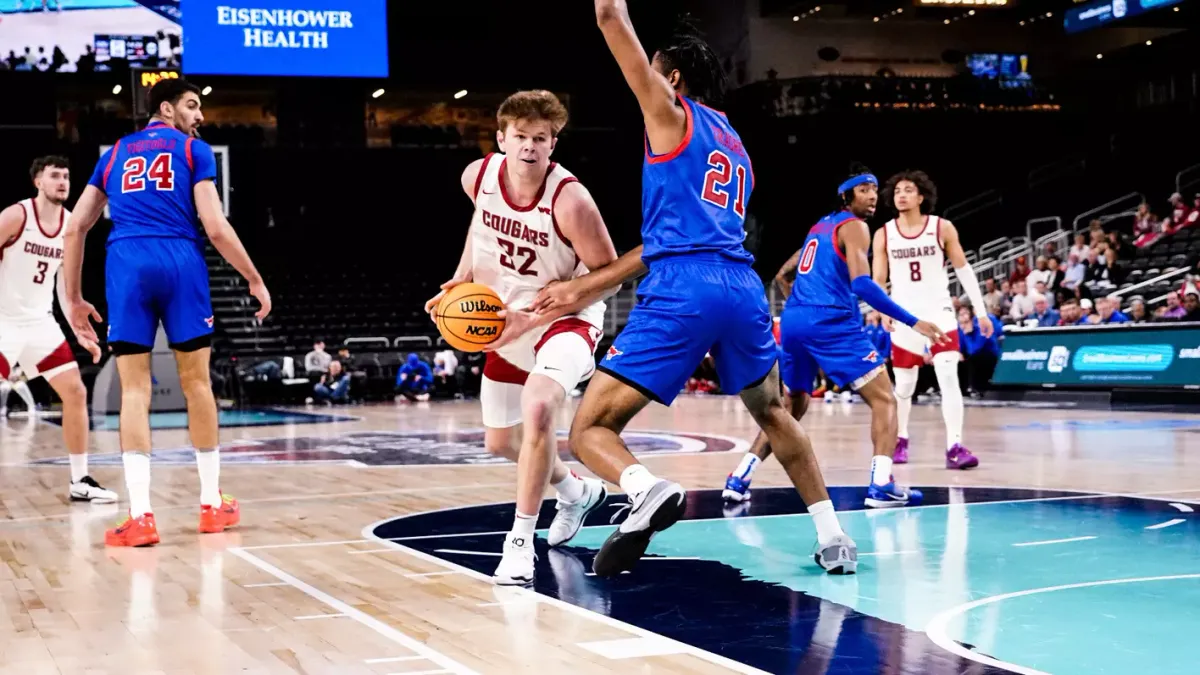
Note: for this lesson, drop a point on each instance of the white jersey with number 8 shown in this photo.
(917, 267)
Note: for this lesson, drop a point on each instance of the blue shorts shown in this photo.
(826, 338)
(153, 279)
(685, 309)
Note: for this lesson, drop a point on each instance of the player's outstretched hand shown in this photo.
(889, 324)
(260, 293)
(555, 295)
(985, 325)
(432, 303)
(931, 331)
(517, 322)
(80, 315)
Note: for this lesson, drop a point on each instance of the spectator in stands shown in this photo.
(316, 362)
(992, 296)
(1097, 268)
(1057, 273)
(1080, 249)
(1095, 233)
(414, 379)
(980, 353)
(1006, 297)
(1108, 311)
(470, 373)
(1045, 317)
(1019, 272)
(1181, 216)
(1174, 309)
(1191, 302)
(1086, 307)
(1076, 271)
(1137, 311)
(334, 386)
(1040, 273)
(1117, 245)
(1071, 314)
(445, 365)
(1022, 302)
(1040, 289)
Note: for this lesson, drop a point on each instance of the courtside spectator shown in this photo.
(1137, 311)
(1071, 314)
(317, 361)
(1042, 314)
(1086, 309)
(1022, 302)
(1080, 249)
(1040, 273)
(414, 379)
(334, 386)
(470, 373)
(980, 353)
(445, 367)
(1174, 309)
(1191, 302)
(1040, 289)
(1109, 311)
(1076, 271)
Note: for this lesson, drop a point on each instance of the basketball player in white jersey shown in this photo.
(31, 251)
(534, 224)
(912, 251)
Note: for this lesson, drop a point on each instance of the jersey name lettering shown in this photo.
(913, 252)
(43, 251)
(515, 229)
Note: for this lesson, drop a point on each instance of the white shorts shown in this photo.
(908, 345)
(564, 352)
(37, 345)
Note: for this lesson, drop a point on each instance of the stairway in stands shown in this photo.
(233, 312)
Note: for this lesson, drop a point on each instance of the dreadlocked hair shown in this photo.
(925, 188)
(856, 169)
(687, 51)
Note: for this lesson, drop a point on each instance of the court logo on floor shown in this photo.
(409, 448)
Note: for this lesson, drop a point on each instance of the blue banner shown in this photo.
(168, 9)
(1099, 12)
(318, 38)
(1154, 355)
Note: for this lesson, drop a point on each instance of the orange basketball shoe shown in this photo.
(140, 531)
(217, 519)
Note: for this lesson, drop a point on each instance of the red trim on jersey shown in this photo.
(61, 356)
(554, 218)
(902, 358)
(482, 170)
(571, 324)
(687, 138)
(5, 369)
(16, 237)
(833, 235)
(941, 244)
(923, 228)
(496, 369)
(885, 246)
(537, 198)
(108, 169)
(710, 109)
(187, 150)
(62, 217)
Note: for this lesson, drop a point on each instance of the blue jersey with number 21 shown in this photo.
(148, 177)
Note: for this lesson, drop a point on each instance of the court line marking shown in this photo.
(936, 628)
(311, 617)
(268, 585)
(420, 672)
(490, 554)
(394, 659)
(428, 574)
(358, 615)
(368, 533)
(1169, 523)
(1055, 541)
(1183, 507)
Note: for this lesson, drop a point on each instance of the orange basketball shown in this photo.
(466, 317)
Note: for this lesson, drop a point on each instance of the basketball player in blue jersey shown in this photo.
(159, 186)
(822, 327)
(700, 293)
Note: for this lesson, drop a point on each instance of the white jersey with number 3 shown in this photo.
(28, 265)
(516, 250)
(917, 268)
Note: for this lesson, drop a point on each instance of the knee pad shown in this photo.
(945, 364)
(906, 382)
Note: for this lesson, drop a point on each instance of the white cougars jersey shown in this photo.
(516, 250)
(28, 265)
(917, 267)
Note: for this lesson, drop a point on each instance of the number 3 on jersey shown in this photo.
(133, 178)
(718, 177)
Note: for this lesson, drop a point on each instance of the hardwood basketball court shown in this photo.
(306, 585)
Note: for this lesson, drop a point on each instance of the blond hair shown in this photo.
(536, 104)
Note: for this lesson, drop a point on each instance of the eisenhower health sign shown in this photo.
(1099, 357)
(314, 38)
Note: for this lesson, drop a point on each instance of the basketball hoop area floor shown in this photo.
(366, 545)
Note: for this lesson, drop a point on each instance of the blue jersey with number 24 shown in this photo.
(148, 177)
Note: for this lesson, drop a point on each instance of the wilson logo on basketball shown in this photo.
(482, 331)
(471, 306)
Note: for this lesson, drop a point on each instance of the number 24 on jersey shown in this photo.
(160, 174)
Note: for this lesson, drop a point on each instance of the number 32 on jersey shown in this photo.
(717, 180)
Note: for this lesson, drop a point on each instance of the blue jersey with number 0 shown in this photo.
(148, 177)
(694, 198)
(822, 276)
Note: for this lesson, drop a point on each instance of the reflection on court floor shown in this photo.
(977, 580)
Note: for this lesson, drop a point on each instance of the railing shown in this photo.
(994, 246)
(1187, 178)
(1126, 200)
(1152, 281)
(1052, 220)
(380, 342)
(969, 207)
(619, 305)
(1060, 238)
(411, 341)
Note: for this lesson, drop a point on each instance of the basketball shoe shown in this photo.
(140, 531)
(571, 515)
(88, 490)
(838, 556)
(650, 512)
(900, 456)
(736, 489)
(216, 519)
(959, 457)
(516, 565)
(886, 496)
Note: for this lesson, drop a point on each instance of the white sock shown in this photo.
(826, 521)
(570, 489)
(906, 386)
(952, 400)
(637, 479)
(745, 468)
(78, 467)
(137, 482)
(881, 470)
(523, 526)
(209, 464)
(22, 390)
(5, 390)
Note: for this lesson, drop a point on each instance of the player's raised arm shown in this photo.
(855, 239)
(966, 275)
(225, 239)
(665, 121)
(787, 274)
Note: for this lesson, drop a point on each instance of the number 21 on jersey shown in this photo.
(160, 173)
(717, 179)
